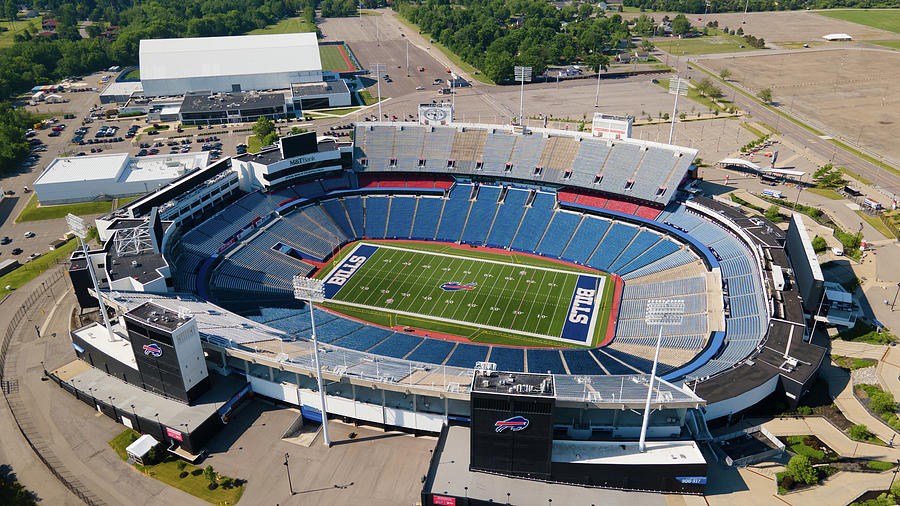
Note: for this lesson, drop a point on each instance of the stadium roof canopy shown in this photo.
(742, 163)
(229, 56)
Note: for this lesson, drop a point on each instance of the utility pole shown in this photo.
(407, 56)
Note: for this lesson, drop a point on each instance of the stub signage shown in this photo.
(174, 434)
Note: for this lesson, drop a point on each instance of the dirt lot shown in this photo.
(846, 93)
(789, 26)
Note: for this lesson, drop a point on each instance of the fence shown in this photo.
(56, 284)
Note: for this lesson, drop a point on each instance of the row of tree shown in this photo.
(495, 35)
(699, 6)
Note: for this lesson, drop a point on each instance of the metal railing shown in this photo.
(56, 284)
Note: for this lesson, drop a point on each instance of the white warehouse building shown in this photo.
(172, 67)
(114, 175)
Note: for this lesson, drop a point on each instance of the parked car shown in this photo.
(29, 234)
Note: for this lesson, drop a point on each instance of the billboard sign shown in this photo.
(174, 434)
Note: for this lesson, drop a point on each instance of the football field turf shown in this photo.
(335, 58)
(536, 301)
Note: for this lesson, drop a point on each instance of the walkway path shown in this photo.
(841, 390)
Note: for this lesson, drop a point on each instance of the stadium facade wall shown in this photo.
(742, 401)
(228, 84)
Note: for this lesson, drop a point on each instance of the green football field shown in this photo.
(336, 58)
(536, 301)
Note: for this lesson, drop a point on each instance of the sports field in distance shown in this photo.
(289, 25)
(559, 305)
(336, 59)
(885, 19)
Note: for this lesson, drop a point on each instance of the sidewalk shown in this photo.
(841, 390)
(888, 371)
(859, 350)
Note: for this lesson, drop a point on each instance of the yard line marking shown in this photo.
(524, 294)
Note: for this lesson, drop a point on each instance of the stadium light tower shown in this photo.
(522, 74)
(378, 69)
(313, 290)
(677, 86)
(78, 227)
(660, 313)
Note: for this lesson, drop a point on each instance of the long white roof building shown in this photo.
(226, 64)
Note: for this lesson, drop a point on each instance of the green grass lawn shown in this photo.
(253, 144)
(696, 96)
(337, 112)
(853, 363)
(892, 44)
(7, 37)
(336, 59)
(877, 224)
(35, 212)
(703, 45)
(511, 300)
(885, 19)
(825, 192)
(289, 25)
(33, 269)
(472, 71)
(167, 472)
(125, 201)
(866, 333)
(367, 97)
(133, 75)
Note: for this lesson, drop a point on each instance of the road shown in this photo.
(817, 146)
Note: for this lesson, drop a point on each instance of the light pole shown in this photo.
(597, 95)
(799, 189)
(661, 313)
(895, 296)
(287, 467)
(378, 69)
(313, 290)
(407, 56)
(78, 227)
(522, 74)
(677, 86)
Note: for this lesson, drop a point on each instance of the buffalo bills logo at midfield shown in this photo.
(153, 350)
(454, 286)
(514, 424)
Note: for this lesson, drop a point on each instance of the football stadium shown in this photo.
(486, 283)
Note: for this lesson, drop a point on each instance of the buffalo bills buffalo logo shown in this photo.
(153, 350)
(514, 424)
(453, 286)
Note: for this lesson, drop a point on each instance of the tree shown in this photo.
(210, 474)
(680, 25)
(800, 469)
(725, 74)
(772, 213)
(646, 45)
(859, 432)
(263, 127)
(93, 31)
(180, 465)
(270, 139)
(819, 244)
(297, 130)
(765, 95)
